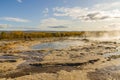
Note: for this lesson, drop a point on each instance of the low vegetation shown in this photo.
(30, 35)
(27, 35)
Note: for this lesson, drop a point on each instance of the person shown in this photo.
(29, 38)
(25, 38)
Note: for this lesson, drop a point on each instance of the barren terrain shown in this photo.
(90, 59)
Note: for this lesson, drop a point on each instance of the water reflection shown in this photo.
(58, 44)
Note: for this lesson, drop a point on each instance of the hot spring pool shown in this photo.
(58, 44)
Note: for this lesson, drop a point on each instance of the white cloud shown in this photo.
(70, 12)
(113, 26)
(77, 25)
(96, 13)
(13, 19)
(97, 17)
(4, 25)
(54, 22)
(57, 24)
(106, 6)
(60, 24)
(20, 1)
(101, 15)
(46, 11)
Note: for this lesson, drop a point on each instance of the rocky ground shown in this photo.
(84, 62)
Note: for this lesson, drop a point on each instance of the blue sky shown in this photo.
(60, 15)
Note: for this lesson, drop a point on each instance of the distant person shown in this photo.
(25, 38)
(29, 38)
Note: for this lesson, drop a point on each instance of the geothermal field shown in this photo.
(61, 58)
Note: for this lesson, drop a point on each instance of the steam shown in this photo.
(103, 35)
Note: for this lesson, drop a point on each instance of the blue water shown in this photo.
(58, 44)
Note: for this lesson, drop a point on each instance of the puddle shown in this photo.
(112, 54)
(58, 44)
(8, 57)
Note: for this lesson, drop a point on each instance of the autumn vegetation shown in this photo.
(30, 35)
(25, 35)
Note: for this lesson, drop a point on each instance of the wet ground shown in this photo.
(93, 56)
(58, 44)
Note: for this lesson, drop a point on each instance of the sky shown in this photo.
(60, 15)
